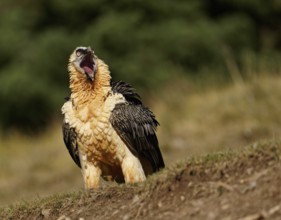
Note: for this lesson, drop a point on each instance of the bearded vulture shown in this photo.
(107, 130)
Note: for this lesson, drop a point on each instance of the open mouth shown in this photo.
(88, 64)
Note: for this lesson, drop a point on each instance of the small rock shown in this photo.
(249, 171)
(136, 199)
(250, 187)
(257, 216)
(255, 146)
(182, 198)
(63, 217)
(115, 212)
(46, 213)
(211, 215)
(225, 207)
(123, 207)
(126, 217)
(273, 210)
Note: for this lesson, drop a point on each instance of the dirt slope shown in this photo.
(229, 185)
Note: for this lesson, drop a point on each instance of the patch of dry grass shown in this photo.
(228, 117)
(35, 167)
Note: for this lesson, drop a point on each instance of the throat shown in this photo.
(84, 91)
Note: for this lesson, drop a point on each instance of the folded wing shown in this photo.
(136, 126)
(70, 140)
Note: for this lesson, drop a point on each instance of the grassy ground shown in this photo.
(196, 122)
(225, 185)
(193, 122)
(35, 167)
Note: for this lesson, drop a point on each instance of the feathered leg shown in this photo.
(132, 169)
(90, 172)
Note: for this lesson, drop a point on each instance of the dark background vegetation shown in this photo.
(147, 43)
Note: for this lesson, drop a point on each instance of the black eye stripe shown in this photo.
(81, 51)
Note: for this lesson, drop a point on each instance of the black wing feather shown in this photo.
(136, 125)
(127, 91)
(70, 140)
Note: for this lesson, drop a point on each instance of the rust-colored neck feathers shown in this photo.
(83, 90)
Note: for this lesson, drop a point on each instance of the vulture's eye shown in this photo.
(78, 53)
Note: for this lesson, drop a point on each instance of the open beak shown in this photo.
(88, 64)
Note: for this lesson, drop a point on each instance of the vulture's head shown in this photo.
(84, 61)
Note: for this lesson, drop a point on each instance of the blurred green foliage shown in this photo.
(145, 43)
